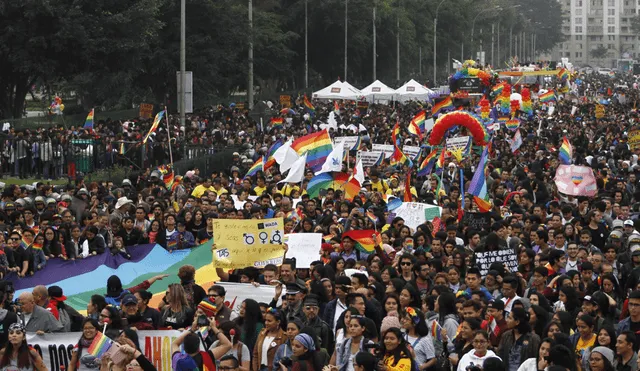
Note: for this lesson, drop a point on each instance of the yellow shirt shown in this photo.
(404, 364)
(259, 190)
(584, 345)
(288, 189)
(379, 186)
(199, 190)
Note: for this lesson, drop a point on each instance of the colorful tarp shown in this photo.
(82, 278)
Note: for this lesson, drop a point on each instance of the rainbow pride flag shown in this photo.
(363, 240)
(427, 164)
(100, 345)
(309, 106)
(317, 146)
(478, 185)
(37, 246)
(563, 74)
(395, 132)
(270, 160)
(88, 123)
(440, 161)
(277, 123)
(399, 158)
(419, 120)
(257, 166)
(172, 245)
(154, 126)
(372, 217)
(549, 96)
(497, 90)
(414, 129)
(436, 330)
(566, 152)
(442, 105)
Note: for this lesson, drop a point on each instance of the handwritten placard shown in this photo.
(485, 259)
(248, 243)
(305, 247)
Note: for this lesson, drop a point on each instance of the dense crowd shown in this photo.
(418, 302)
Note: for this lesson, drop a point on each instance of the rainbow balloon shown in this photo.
(459, 118)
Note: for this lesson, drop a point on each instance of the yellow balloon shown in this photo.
(61, 107)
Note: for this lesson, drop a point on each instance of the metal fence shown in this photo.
(67, 120)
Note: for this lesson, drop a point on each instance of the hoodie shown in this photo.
(472, 359)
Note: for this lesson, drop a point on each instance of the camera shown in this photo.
(203, 320)
(287, 362)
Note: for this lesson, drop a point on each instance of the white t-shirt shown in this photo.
(246, 356)
(265, 349)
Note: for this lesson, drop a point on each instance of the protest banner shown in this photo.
(576, 180)
(248, 243)
(304, 247)
(349, 143)
(411, 151)
(478, 221)
(236, 293)
(146, 110)
(485, 259)
(386, 148)
(634, 139)
(56, 348)
(414, 213)
(459, 144)
(369, 158)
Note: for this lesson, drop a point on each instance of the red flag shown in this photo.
(407, 188)
(437, 223)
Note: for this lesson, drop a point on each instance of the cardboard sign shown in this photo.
(386, 148)
(411, 151)
(485, 259)
(304, 247)
(146, 110)
(459, 144)
(414, 213)
(634, 139)
(285, 101)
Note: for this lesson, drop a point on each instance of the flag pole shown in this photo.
(166, 116)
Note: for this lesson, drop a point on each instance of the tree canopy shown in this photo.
(118, 53)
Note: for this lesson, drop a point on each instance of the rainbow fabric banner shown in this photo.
(549, 96)
(82, 278)
(100, 345)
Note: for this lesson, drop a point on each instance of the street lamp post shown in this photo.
(183, 31)
(473, 25)
(375, 53)
(346, 8)
(306, 46)
(435, 39)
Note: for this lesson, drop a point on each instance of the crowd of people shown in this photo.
(419, 301)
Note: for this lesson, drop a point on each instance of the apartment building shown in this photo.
(597, 24)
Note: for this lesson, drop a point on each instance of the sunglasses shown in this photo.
(405, 264)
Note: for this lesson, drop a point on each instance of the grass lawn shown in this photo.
(18, 181)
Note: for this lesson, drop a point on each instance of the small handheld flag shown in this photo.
(88, 123)
(154, 126)
(566, 152)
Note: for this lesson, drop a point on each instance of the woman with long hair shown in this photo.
(352, 345)
(16, 354)
(150, 315)
(538, 319)
(609, 285)
(111, 317)
(417, 335)
(268, 341)
(52, 247)
(479, 353)
(568, 296)
(464, 340)
(342, 326)
(540, 363)
(90, 328)
(518, 343)
(409, 297)
(526, 263)
(177, 314)
(391, 303)
(601, 359)
(250, 322)
(395, 351)
(447, 321)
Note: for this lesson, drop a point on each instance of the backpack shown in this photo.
(65, 319)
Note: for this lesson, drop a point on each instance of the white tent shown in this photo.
(337, 90)
(412, 90)
(378, 92)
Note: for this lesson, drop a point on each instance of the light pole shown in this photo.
(375, 53)
(398, 43)
(346, 8)
(306, 46)
(250, 85)
(435, 39)
(183, 59)
(473, 24)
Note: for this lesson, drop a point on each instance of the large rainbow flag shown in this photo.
(317, 146)
(82, 278)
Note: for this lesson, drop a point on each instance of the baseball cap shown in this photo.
(129, 299)
(628, 222)
(618, 223)
(589, 299)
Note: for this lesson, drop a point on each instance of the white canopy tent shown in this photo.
(338, 90)
(378, 92)
(412, 90)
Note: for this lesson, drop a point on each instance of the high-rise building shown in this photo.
(598, 25)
